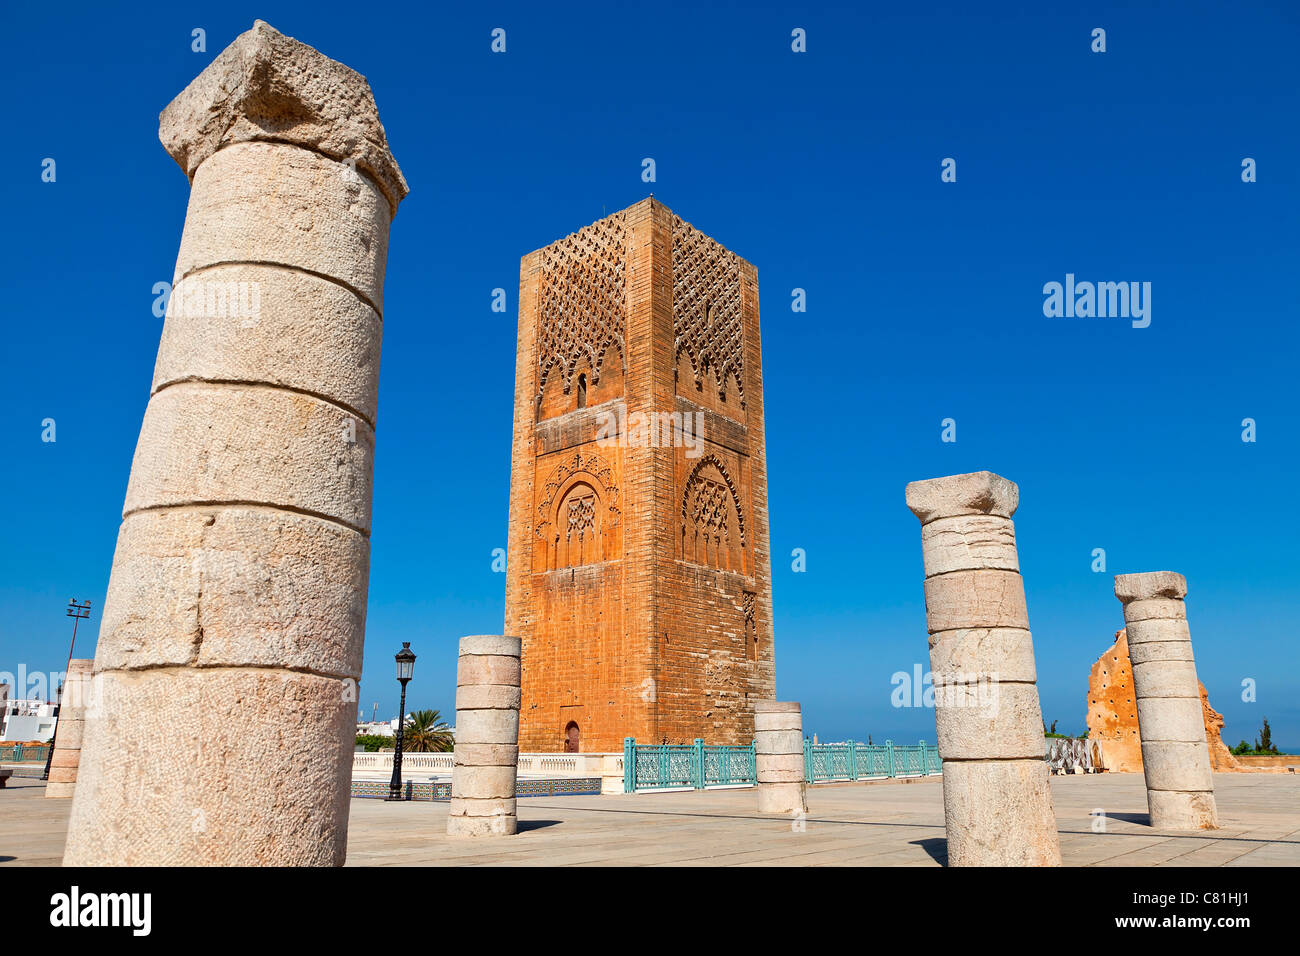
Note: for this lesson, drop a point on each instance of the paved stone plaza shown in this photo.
(877, 824)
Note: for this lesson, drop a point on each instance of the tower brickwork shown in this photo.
(639, 573)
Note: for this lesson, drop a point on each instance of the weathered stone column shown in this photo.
(487, 737)
(996, 798)
(1171, 724)
(69, 729)
(778, 752)
(232, 633)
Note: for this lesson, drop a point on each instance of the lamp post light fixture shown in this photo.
(405, 670)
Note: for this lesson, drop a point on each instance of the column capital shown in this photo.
(1150, 584)
(268, 87)
(776, 707)
(977, 493)
(495, 645)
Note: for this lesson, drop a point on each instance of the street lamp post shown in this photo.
(78, 613)
(405, 669)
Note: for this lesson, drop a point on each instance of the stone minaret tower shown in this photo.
(639, 572)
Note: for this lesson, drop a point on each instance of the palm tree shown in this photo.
(426, 732)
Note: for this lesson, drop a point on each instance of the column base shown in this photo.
(782, 798)
(482, 818)
(999, 813)
(1183, 810)
(207, 767)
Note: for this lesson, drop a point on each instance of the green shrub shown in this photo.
(1263, 746)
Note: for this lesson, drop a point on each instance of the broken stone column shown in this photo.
(487, 737)
(1171, 723)
(69, 729)
(996, 797)
(231, 641)
(778, 753)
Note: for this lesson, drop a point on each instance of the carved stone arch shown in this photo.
(716, 462)
(701, 369)
(706, 528)
(566, 365)
(594, 357)
(578, 514)
(577, 525)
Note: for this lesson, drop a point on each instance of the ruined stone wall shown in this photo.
(638, 572)
(1221, 758)
(1112, 709)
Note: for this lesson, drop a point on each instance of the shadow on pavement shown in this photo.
(937, 848)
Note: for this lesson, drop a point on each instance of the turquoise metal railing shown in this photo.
(723, 766)
(857, 761)
(701, 765)
(676, 766)
(15, 753)
(933, 764)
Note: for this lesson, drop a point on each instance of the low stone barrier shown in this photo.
(440, 790)
(1269, 760)
(607, 767)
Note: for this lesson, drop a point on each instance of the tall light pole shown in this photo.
(78, 613)
(405, 671)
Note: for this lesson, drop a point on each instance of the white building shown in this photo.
(24, 720)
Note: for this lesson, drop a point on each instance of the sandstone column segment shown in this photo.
(232, 633)
(1171, 723)
(996, 797)
(778, 753)
(68, 732)
(487, 737)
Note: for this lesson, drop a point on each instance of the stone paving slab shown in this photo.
(894, 824)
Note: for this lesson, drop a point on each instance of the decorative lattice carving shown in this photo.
(708, 508)
(594, 467)
(708, 501)
(704, 500)
(707, 325)
(751, 625)
(582, 301)
(582, 516)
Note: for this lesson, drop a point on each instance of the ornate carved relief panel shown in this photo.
(582, 304)
(579, 521)
(751, 627)
(713, 521)
(708, 330)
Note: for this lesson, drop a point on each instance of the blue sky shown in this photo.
(822, 168)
